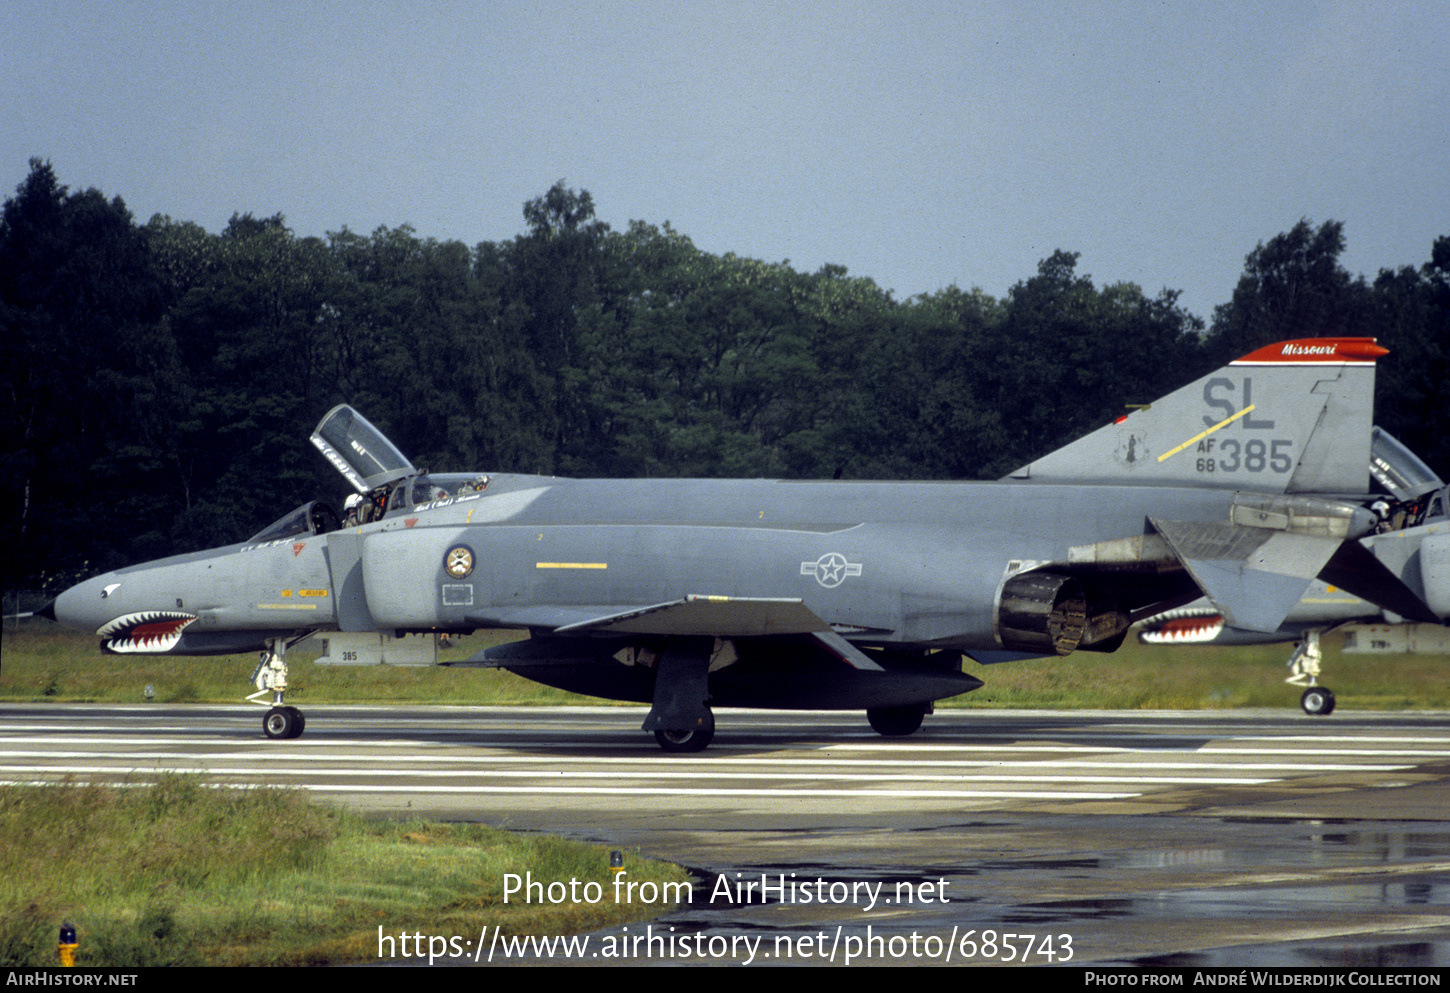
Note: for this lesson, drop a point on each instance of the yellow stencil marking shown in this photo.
(571, 565)
(1204, 434)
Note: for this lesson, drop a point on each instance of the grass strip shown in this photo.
(43, 662)
(183, 873)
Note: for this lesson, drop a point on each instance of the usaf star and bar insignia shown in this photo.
(831, 569)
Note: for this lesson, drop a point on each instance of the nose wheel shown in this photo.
(283, 722)
(270, 678)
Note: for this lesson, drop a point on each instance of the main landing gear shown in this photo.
(695, 739)
(897, 722)
(680, 717)
(1317, 701)
(270, 677)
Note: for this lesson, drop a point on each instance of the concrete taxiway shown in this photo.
(1200, 838)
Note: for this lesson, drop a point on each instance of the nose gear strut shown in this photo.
(270, 677)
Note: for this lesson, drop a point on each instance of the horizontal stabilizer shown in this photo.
(1255, 576)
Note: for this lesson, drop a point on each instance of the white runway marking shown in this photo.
(492, 751)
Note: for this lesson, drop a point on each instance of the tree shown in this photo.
(1292, 287)
(1411, 317)
(1067, 357)
(82, 350)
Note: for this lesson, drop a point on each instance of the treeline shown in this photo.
(159, 381)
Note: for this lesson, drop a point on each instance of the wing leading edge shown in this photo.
(698, 616)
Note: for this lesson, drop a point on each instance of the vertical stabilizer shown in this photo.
(1295, 417)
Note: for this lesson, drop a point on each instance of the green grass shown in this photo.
(42, 662)
(1199, 677)
(181, 873)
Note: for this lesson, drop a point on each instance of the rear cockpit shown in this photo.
(1413, 493)
(428, 490)
(387, 484)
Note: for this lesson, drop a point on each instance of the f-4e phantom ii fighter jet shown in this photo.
(1243, 487)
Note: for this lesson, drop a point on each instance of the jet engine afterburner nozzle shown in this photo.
(1042, 612)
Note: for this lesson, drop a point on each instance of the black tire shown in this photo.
(896, 722)
(695, 739)
(1317, 701)
(282, 722)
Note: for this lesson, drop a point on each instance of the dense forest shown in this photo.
(160, 381)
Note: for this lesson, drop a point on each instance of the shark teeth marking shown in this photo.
(1182, 627)
(148, 632)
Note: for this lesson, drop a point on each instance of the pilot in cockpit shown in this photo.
(352, 510)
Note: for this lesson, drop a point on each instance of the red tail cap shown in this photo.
(1318, 350)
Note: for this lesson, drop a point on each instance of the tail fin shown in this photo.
(1294, 417)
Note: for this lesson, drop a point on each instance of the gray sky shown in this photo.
(919, 144)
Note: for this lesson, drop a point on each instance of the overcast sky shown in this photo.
(919, 144)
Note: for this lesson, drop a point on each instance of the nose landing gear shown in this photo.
(270, 677)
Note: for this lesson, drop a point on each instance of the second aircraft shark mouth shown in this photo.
(1182, 627)
(147, 632)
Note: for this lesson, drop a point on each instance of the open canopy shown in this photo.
(358, 450)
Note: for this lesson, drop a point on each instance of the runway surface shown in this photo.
(1243, 838)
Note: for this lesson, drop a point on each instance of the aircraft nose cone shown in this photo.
(84, 605)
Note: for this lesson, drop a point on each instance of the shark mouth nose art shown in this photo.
(1183, 627)
(146, 631)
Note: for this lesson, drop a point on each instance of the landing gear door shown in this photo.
(359, 451)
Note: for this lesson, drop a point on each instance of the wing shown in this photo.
(692, 616)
